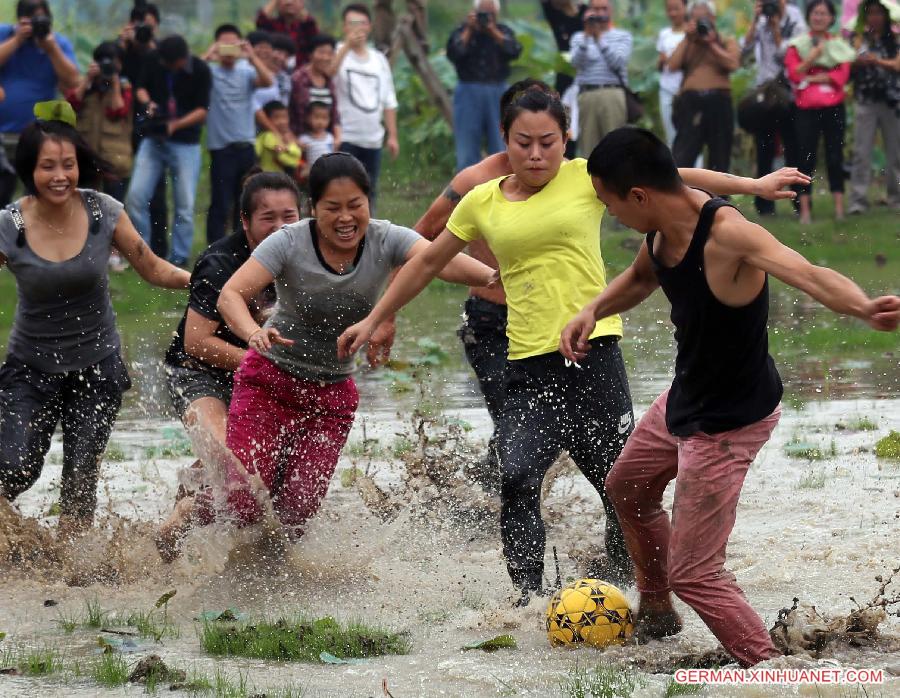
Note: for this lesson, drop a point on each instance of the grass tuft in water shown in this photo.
(68, 623)
(300, 640)
(110, 670)
(889, 446)
(812, 481)
(673, 688)
(603, 681)
(96, 616)
(152, 624)
(41, 661)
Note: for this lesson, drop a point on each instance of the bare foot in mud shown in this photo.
(653, 624)
(173, 530)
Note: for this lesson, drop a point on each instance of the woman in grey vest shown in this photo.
(63, 359)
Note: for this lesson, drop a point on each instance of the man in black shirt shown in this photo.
(481, 50)
(204, 353)
(172, 95)
(705, 431)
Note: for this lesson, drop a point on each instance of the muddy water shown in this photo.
(820, 531)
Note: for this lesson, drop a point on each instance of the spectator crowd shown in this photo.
(285, 94)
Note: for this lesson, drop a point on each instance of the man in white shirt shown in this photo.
(365, 94)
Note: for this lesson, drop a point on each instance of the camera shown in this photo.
(107, 67)
(704, 27)
(770, 8)
(596, 19)
(483, 18)
(143, 33)
(41, 26)
(155, 126)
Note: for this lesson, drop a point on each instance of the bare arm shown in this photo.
(9, 47)
(152, 269)
(771, 186)
(234, 300)
(433, 222)
(461, 269)
(727, 54)
(264, 76)
(66, 71)
(676, 60)
(200, 340)
(628, 289)
(759, 248)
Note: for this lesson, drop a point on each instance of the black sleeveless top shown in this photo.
(724, 376)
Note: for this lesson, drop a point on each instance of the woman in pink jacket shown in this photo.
(818, 65)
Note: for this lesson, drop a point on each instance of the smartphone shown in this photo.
(229, 50)
(816, 41)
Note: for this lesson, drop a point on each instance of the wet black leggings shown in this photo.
(32, 403)
(551, 407)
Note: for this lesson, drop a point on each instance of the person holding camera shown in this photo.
(600, 55)
(774, 24)
(290, 17)
(103, 102)
(173, 95)
(818, 65)
(876, 86)
(366, 97)
(702, 113)
(34, 61)
(565, 17)
(230, 126)
(481, 51)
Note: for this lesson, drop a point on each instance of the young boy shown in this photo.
(317, 140)
(277, 150)
(724, 402)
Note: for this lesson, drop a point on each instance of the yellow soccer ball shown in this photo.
(591, 612)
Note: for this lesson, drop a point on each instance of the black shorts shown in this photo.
(187, 384)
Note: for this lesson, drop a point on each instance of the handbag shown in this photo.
(765, 104)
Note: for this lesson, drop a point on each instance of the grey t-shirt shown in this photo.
(64, 320)
(316, 304)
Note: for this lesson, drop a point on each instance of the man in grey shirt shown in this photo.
(600, 56)
(774, 24)
(230, 129)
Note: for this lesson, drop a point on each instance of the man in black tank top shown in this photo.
(704, 431)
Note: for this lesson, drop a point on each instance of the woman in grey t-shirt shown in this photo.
(63, 360)
(294, 400)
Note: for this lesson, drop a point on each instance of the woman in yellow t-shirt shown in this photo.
(543, 224)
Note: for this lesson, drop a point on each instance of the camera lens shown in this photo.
(40, 26)
(143, 33)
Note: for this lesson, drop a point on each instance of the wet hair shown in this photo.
(633, 157)
(91, 167)
(321, 40)
(521, 86)
(813, 4)
(282, 42)
(26, 8)
(173, 49)
(259, 36)
(534, 100)
(108, 49)
(227, 29)
(333, 166)
(270, 108)
(141, 10)
(257, 182)
(356, 7)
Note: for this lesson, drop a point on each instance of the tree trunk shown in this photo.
(418, 59)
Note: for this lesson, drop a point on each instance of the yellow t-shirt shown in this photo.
(270, 160)
(548, 247)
